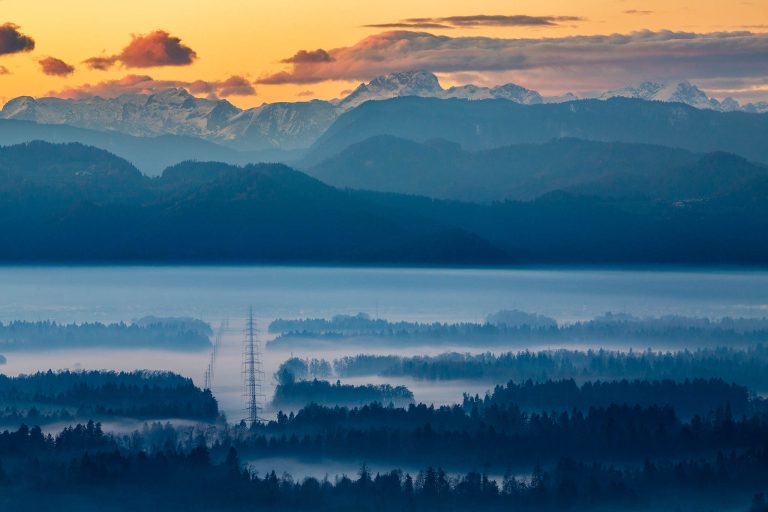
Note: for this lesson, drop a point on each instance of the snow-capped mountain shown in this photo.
(168, 111)
(511, 92)
(425, 84)
(177, 112)
(682, 92)
(408, 83)
(278, 125)
(298, 125)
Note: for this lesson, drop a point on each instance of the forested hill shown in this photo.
(488, 124)
(445, 170)
(77, 204)
(46, 397)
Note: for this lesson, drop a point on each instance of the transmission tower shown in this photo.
(223, 326)
(253, 372)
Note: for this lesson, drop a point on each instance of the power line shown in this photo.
(253, 372)
(208, 378)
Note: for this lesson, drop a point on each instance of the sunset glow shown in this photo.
(248, 51)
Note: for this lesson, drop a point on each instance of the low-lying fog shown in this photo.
(109, 294)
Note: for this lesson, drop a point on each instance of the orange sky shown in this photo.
(249, 38)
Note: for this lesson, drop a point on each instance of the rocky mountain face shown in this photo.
(426, 85)
(682, 92)
(177, 112)
(297, 125)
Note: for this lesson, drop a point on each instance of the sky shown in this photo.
(257, 51)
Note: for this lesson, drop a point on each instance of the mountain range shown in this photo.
(69, 202)
(488, 124)
(296, 125)
(444, 170)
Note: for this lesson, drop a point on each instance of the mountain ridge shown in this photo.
(486, 124)
(213, 212)
(443, 170)
(297, 125)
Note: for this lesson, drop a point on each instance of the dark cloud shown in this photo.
(144, 84)
(234, 86)
(56, 67)
(424, 25)
(4, 71)
(155, 49)
(303, 94)
(13, 41)
(479, 20)
(635, 11)
(100, 63)
(304, 56)
(579, 62)
(485, 20)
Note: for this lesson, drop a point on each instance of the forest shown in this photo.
(298, 393)
(553, 445)
(298, 385)
(502, 435)
(47, 397)
(521, 328)
(83, 468)
(147, 332)
(687, 398)
(747, 366)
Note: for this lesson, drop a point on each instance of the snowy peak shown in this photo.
(412, 83)
(175, 111)
(517, 93)
(409, 83)
(682, 92)
(296, 125)
(425, 84)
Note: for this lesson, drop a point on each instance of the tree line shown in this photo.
(523, 328)
(62, 395)
(747, 366)
(500, 435)
(81, 468)
(149, 332)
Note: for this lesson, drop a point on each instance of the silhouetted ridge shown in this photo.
(487, 124)
(270, 212)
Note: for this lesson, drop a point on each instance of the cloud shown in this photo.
(56, 67)
(100, 63)
(579, 62)
(479, 20)
(157, 48)
(144, 84)
(13, 41)
(306, 93)
(403, 24)
(304, 56)
(4, 71)
(234, 86)
(635, 11)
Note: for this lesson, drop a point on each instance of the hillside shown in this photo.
(488, 124)
(51, 210)
(443, 170)
(150, 154)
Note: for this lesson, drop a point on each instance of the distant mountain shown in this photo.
(488, 124)
(443, 170)
(426, 85)
(78, 204)
(394, 85)
(287, 126)
(296, 125)
(150, 154)
(177, 112)
(682, 92)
